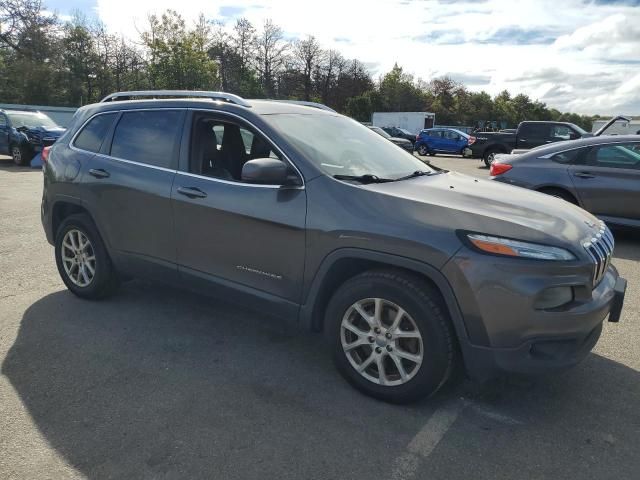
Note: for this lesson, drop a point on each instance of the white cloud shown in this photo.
(509, 43)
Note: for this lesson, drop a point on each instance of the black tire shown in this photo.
(423, 150)
(419, 300)
(105, 280)
(20, 155)
(488, 156)
(559, 193)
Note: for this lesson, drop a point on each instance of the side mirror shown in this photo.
(266, 171)
(574, 136)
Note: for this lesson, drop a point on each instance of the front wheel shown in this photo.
(82, 259)
(19, 155)
(391, 336)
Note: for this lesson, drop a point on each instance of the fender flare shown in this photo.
(307, 319)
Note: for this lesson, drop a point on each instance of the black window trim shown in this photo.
(586, 147)
(112, 130)
(238, 119)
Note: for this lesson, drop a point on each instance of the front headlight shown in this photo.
(516, 248)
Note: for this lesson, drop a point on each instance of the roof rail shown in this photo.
(320, 106)
(221, 96)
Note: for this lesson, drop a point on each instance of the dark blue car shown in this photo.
(441, 140)
(24, 134)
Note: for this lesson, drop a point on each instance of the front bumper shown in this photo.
(506, 333)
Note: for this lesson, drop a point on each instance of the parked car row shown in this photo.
(528, 135)
(23, 134)
(399, 141)
(600, 174)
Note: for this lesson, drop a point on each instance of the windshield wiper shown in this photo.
(366, 178)
(418, 173)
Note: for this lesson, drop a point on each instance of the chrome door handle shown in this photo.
(191, 192)
(583, 175)
(99, 173)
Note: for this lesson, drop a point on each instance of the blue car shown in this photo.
(23, 134)
(441, 140)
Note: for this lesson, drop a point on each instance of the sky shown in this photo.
(581, 56)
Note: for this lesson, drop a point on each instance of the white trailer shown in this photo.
(620, 127)
(412, 121)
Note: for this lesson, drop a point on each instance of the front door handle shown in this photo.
(191, 192)
(99, 173)
(583, 175)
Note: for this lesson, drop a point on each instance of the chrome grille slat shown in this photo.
(600, 249)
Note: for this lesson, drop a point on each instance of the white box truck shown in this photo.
(412, 121)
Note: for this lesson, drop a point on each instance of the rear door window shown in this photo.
(151, 137)
(93, 134)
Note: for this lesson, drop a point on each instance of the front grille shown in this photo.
(600, 249)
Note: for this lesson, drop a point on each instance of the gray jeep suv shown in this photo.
(304, 213)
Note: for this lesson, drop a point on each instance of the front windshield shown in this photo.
(341, 146)
(579, 130)
(380, 132)
(406, 132)
(23, 119)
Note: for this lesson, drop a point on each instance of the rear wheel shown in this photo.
(423, 150)
(82, 259)
(391, 337)
(490, 156)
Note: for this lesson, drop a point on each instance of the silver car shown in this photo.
(600, 174)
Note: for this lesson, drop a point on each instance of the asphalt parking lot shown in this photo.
(162, 384)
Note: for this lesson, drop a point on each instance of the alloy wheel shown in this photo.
(423, 150)
(381, 341)
(78, 258)
(16, 153)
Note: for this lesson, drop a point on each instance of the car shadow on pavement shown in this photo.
(160, 383)
(7, 165)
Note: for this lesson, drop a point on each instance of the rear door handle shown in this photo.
(583, 175)
(99, 173)
(191, 192)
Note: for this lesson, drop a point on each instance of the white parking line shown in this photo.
(426, 440)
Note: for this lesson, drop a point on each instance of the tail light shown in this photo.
(499, 168)
(417, 137)
(45, 154)
(471, 140)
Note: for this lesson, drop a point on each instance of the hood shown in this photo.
(399, 140)
(457, 201)
(47, 131)
(39, 134)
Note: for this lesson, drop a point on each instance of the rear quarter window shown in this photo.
(93, 133)
(149, 137)
(569, 157)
